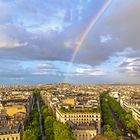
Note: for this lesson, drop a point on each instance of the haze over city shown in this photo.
(78, 41)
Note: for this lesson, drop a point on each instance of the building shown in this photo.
(129, 104)
(136, 114)
(14, 113)
(14, 108)
(78, 104)
(70, 101)
(83, 131)
(10, 132)
(85, 124)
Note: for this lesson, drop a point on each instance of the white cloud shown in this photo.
(87, 70)
(11, 43)
(68, 44)
(44, 73)
(105, 38)
(131, 66)
(44, 66)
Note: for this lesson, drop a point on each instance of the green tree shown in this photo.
(29, 135)
(32, 131)
(125, 117)
(138, 131)
(62, 131)
(48, 124)
(108, 131)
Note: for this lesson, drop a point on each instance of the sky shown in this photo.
(38, 39)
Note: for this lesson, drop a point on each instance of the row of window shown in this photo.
(84, 135)
(11, 132)
(13, 138)
(82, 119)
(81, 116)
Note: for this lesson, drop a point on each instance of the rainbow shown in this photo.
(89, 27)
(92, 23)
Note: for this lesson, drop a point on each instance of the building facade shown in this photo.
(86, 124)
(136, 114)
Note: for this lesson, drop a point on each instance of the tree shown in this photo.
(62, 131)
(32, 131)
(108, 131)
(48, 125)
(118, 133)
(138, 131)
(46, 112)
(29, 135)
(125, 117)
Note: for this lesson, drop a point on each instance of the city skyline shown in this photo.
(73, 41)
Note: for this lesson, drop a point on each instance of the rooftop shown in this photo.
(72, 110)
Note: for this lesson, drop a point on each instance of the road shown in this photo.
(40, 120)
(119, 124)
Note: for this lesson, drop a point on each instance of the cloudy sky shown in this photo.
(38, 39)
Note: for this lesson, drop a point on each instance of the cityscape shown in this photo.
(69, 70)
(70, 112)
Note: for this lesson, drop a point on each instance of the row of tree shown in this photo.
(32, 131)
(109, 124)
(54, 130)
(125, 117)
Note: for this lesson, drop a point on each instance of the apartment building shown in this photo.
(84, 131)
(14, 112)
(136, 114)
(86, 123)
(10, 132)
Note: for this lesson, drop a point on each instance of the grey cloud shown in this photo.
(121, 21)
(124, 23)
(12, 69)
(27, 21)
(45, 44)
(130, 67)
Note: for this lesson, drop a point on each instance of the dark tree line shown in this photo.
(32, 131)
(125, 117)
(109, 124)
